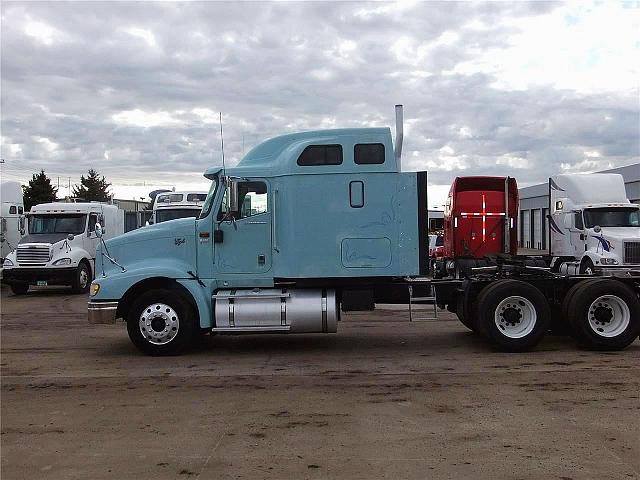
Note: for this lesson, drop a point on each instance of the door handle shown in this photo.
(261, 259)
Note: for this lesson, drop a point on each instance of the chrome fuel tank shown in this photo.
(285, 310)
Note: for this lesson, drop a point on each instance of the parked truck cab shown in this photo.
(298, 226)
(60, 247)
(593, 227)
(173, 205)
(12, 219)
(480, 220)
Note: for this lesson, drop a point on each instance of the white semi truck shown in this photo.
(593, 227)
(60, 247)
(12, 219)
(173, 205)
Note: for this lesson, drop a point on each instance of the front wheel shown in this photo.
(605, 315)
(19, 288)
(82, 279)
(513, 315)
(161, 322)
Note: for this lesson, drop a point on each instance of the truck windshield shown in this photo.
(206, 208)
(57, 223)
(164, 215)
(612, 217)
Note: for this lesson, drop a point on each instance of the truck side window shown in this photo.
(20, 210)
(252, 198)
(93, 219)
(368, 153)
(578, 221)
(321, 155)
(13, 210)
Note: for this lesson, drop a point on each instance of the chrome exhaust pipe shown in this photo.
(399, 136)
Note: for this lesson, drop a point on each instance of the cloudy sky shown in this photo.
(134, 89)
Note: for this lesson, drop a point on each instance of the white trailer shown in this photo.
(173, 205)
(60, 247)
(12, 220)
(593, 227)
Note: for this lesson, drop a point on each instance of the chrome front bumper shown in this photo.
(102, 312)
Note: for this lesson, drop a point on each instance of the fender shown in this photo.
(114, 284)
(76, 255)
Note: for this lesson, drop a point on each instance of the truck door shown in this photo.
(576, 232)
(91, 238)
(246, 226)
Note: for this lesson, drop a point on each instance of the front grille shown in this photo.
(631, 252)
(37, 254)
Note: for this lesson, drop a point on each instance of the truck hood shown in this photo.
(618, 233)
(43, 238)
(181, 227)
(166, 245)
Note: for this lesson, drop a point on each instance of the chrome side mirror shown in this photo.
(597, 229)
(233, 196)
(98, 230)
(70, 237)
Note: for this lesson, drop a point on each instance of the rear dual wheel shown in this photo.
(604, 314)
(513, 315)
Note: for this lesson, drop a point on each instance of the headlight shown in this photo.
(608, 261)
(7, 263)
(95, 288)
(63, 261)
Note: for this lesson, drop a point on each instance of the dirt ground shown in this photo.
(383, 398)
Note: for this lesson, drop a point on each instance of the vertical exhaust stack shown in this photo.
(399, 136)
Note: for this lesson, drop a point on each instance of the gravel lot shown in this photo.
(383, 398)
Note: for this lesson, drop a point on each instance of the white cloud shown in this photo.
(41, 31)
(144, 34)
(46, 143)
(140, 118)
(582, 47)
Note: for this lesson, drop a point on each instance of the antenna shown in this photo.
(222, 145)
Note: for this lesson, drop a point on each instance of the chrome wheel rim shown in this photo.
(84, 278)
(609, 316)
(159, 323)
(515, 317)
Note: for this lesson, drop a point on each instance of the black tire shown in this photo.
(489, 301)
(586, 267)
(179, 336)
(569, 296)
(592, 323)
(466, 315)
(82, 278)
(19, 288)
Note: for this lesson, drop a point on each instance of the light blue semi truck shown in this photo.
(311, 224)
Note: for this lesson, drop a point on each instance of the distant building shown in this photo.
(533, 230)
(135, 215)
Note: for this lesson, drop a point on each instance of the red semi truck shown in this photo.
(479, 223)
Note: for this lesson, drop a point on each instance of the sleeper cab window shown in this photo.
(321, 155)
(368, 153)
(13, 210)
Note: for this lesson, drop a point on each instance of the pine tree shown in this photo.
(92, 188)
(39, 190)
